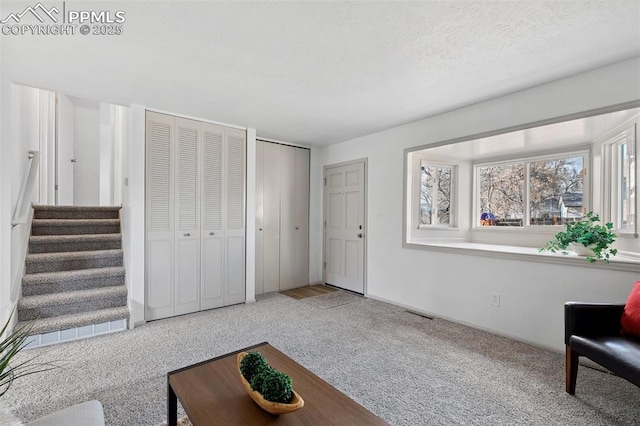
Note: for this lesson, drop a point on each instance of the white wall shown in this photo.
(458, 286)
(86, 178)
(25, 105)
(132, 213)
(107, 143)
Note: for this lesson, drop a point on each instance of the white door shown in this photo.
(301, 225)
(64, 150)
(288, 219)
(187, 238)
(271, 216)
(235, 174)
(344, 231)
(159, 216)
(212, 235)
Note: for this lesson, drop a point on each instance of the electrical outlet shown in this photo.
(495, 299)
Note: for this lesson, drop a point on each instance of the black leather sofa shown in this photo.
(592, 330)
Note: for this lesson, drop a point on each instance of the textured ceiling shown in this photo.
(319, 73)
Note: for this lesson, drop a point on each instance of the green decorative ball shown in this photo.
(251, 364)
(274, 386)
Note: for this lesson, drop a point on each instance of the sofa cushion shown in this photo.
(619, 354)
(630, 320)
(86, 414)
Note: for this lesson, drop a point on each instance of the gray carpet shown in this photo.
(406, 369)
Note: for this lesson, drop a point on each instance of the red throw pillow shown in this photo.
(630, 320)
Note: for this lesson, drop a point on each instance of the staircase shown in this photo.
(74, 282)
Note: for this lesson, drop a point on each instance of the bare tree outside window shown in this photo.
(426, 195)
(435, 194)
(444, 195)
(555, 192)
(502, 193)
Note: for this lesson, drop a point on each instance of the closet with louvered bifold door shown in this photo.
(195, 201)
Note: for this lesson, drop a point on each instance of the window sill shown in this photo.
(438, 228)
(623, 261)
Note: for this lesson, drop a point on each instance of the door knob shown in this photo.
(187, 234)
(259, 229)
(212, 233)
(297, 228)
(360, 235)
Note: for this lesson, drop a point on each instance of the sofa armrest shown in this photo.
(88, 413)
(591, 319)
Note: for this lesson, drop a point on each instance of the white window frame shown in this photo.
(583, 151)
(611, 164)
(452, 194)
(417, 159)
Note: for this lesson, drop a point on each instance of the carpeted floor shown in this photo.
(407, 369)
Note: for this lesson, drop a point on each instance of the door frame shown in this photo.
(365, 161)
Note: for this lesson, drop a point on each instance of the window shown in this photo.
(536, 191)
(436, 192)
(510, 192)
(501, 194)
(620, 182)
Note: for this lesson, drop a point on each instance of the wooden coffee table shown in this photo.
(211, 393)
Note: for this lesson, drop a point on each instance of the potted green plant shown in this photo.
(586, 237)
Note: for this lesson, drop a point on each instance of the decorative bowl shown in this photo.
(271, 407)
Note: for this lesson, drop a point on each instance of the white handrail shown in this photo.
(21, 212)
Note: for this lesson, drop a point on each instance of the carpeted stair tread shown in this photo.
(69, 297)
(72, 260)
(74, 222)
(43, 207)
(74, 238)
(76, 212)
(66, 243)
(48, 277)
(71, 275)
(64, 322)
(74, 226)
(82, 279)
(56, 257)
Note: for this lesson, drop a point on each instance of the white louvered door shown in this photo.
(187, 236)
(195, 216)
(212, 226)
(235, 160)
(159, 216)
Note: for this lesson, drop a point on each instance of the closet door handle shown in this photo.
(259, 229)
(297, 228)
(187, 234)
(212, 233)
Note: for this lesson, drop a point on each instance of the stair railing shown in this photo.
(21, 212)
